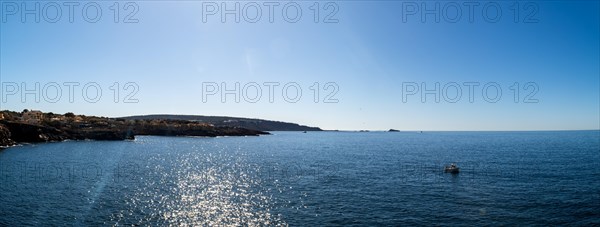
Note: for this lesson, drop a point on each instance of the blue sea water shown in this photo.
(307, 179)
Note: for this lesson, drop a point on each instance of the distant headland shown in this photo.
(32, 126)
(218, 121)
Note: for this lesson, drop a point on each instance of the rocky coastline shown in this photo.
(220, 121)
(38, 127)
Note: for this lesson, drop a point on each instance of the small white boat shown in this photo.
(452, 168)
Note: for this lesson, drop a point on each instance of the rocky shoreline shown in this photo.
(220, 121)
(38, 127)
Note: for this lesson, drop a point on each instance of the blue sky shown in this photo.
(375, 49)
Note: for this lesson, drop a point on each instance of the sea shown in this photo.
(541, 178)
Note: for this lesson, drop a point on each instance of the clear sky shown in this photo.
(373, 57)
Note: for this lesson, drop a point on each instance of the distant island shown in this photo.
(248, 123)
(36, 126)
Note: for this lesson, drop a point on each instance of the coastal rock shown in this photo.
(105, 134)
(28, 133)
(5, 140)
(36, 127)
(236, 131)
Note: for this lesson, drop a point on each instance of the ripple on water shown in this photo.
(313, 179)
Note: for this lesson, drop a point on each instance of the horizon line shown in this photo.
(340, 130)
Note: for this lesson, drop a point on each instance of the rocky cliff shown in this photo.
(30, 133)
(46, 127)
(5, 135)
